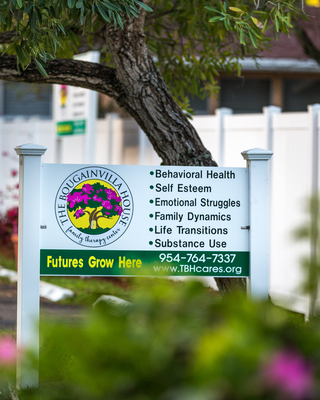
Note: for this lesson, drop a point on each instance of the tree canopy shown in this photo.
(153, 54)
(191, 41)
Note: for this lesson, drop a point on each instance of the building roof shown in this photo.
(289, 47)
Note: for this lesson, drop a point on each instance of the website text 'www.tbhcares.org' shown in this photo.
(197, 269)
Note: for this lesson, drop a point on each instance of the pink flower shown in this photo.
(78, 213)
(118, 208)
(111, 194)
(74, 198)
(87, 188)
(4, 154)
(106, 204)
(85, 198)
(14, 172)
(8, 351)
(96, 198)
(289, 373)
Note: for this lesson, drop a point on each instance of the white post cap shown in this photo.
(257, 154)
(30, 149)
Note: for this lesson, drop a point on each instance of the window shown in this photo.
(22, 99)
(199, 106)
(244, 95)
(299, 93)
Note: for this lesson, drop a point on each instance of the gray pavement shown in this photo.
(52, 311)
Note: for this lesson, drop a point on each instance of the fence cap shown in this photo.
(30, 149)
(257, 154)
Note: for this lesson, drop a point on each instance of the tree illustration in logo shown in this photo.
(95, 206)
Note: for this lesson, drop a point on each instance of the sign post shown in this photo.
(101, 220)
(28, 258)
(257, 162)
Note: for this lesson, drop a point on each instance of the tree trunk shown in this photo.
(147, 98)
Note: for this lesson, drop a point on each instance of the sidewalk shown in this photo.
(53, 311)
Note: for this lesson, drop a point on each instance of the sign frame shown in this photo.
(29, 244)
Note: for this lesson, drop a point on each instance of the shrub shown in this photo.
(8, 224)
(179, 342)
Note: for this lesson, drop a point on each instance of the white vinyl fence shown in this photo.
(294, 169)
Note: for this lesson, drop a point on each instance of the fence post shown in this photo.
(28, 259)
(114, 140)
(143, 144)
(268, 113)
(314, 111)
(220, 113)
(257, 163)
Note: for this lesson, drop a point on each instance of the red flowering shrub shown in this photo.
(8, 224)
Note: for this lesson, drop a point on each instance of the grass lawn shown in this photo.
(87, 290)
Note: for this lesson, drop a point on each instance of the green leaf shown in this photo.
(241, 37)
(33, 21)
(28, 9)
(120, 21)
(19, 52)
(114, 20)
(88, 21)
(8, 48)
(42, 71)
(74, 15)
(211, 78)
(212, 9)
(102, 12)
(61, 27)
(71, 3)
(49, 56)
(52, 12)
(214, 19)
(253, 39)
(111, 6)
(39, 15)
(276, 21)
(79, 4)
(142, 5)
(20, 3)
(256, 34)
(134, 13)
(127, 10)
(19, 15)
(248, 16)
(265, 24)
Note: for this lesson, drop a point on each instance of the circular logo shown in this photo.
(94, 206)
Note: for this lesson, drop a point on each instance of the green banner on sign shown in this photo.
(143, 263)
(71, 127)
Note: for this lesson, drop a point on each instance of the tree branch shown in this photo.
(5, 37)
(92, 76)
(308, 46)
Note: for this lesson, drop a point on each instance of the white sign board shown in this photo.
(175, 220)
